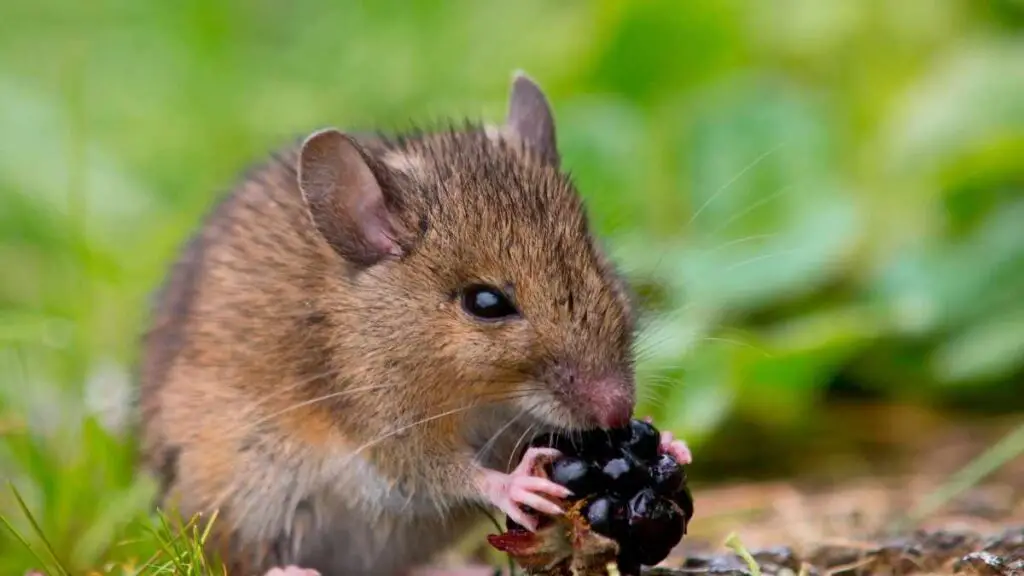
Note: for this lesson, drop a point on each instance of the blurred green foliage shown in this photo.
(805, 193)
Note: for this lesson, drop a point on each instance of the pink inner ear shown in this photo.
(345, 199)
(377, 230)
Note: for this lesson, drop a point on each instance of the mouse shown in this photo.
(346, 356)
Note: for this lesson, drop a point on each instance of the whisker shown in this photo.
(739, 343)
(497, 398)
(761, 257)
(312, 401)
(749, 167)
(754, 206)
(742, 240)
(401, 429)
(302, 382)
(515, 447)
(663, 383)
(496, 435)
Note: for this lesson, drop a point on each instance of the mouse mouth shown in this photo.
(557, 413)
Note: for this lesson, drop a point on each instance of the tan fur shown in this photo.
(305, 398)
(410, 164)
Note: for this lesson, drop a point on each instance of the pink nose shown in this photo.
(617, 416)
(611, 402)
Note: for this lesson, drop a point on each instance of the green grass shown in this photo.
(802, 192)
(169, 548)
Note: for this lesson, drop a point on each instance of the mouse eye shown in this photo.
(487, 302)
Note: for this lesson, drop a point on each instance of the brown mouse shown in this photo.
(346, 355)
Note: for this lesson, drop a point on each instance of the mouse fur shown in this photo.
(326, 394)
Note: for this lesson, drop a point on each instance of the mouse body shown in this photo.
(346, 355)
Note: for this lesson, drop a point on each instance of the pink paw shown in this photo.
(509, 492)
(292, 571)
(675, 448)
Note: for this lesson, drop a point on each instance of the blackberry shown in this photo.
(641, 439)
(576, 474)
(625, 474)
(656, 525)
(563, 444)
(684, 500)
(597, 445)
(667, 475)
(631, 492)
(590, 445)
(607, 515)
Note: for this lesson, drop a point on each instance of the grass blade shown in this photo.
(733, 542)
(38, 530)
(43, 564)
(1008, 448)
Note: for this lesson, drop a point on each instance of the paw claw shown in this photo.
(510, 492)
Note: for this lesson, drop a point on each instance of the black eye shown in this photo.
(487, 302)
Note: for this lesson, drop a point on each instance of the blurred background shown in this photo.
(820, 203)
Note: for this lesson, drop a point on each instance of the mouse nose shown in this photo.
(612, 402)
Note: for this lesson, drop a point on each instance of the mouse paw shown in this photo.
(291, 571)
(510, 492)
(673, 447)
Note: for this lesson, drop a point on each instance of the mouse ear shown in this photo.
(530, 117)
(345, 199)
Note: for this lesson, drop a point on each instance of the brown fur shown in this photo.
(332, 410)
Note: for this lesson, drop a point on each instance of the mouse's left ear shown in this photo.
(344, 198)
(530, 117)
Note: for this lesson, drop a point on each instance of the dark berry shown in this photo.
(628, 564)
(684, 500)
(559, 442)
(607, 515)
(640, 503)
(578, 475)
(655, 527)
(643, 440)
(597, 445)
(511, 525)
(667, 475)
(624, 474)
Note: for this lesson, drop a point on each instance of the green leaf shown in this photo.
(768, 217)
(946, 284)
(967, 99)
(605, 146)
(990, 349)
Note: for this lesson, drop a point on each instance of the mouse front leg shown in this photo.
(510, 492)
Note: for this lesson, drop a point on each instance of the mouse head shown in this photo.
(467, 263)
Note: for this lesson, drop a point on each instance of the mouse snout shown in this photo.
(610, 401)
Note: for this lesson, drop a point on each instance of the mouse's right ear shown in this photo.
(530, 117)
(345, 199)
